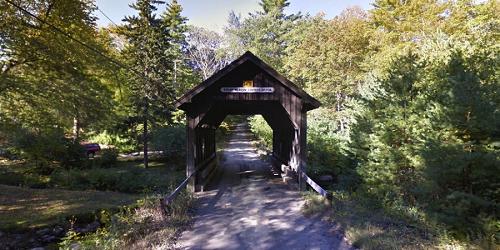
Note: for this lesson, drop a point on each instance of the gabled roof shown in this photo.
(247, 56)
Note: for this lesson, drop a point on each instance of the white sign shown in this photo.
(247, 90)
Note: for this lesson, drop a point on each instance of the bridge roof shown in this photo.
(309, 101)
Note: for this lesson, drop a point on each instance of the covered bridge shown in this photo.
(247, 86)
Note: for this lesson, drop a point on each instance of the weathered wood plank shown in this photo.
(316, 187)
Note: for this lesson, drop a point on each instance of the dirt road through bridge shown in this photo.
(249, 208)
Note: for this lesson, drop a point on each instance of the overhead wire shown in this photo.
(95, 50)
(106, 16)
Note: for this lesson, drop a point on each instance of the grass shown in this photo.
(369, 226)
(25, 208)
(29, 199)
(146, 227)
(125, 176)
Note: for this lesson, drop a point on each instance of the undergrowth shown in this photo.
(144, 227)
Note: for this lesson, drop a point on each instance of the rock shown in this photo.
(1, 233)
(93, 226)
(326, 178)
(38, 248)
(75, 246)
(58, 231)
(43, 231)
(49, 238)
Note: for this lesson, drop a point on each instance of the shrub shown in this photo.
(110, 179)
(108, 157)
(73, 155)
(121, 142)
(171, 140)
(262, 130)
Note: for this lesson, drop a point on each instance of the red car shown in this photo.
(91, 149)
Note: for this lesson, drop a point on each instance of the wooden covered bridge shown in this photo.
(247, 86)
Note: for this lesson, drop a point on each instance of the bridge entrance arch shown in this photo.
(247, 86)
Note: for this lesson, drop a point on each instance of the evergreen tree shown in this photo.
(265, 33)
(174, 24)
(153, 46)
(270, 6)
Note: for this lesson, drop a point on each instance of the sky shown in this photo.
(212, 14)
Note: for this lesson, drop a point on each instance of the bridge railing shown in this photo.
(315, 186)
(168, 199)
(207, 168)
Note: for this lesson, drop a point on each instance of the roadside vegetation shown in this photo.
(408, 133)
(57, 95)
(53, 206)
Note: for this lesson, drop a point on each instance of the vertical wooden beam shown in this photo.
(303, 148)
(190, 148)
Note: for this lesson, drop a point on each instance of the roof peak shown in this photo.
(247, 56)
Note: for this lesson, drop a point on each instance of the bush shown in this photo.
(110, 179)
(73, 155)
(121, 142)
(262, 130)
(44, 148)
(108, 157)
(143, 227)
(171, 140)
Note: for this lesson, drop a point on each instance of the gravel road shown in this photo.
(247, 207)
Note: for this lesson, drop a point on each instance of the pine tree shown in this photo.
(274, 5)
(148, 44)
(265, 33)
(174, 24)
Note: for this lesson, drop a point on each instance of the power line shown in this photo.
(67, 35)
(97, 51)
(106, 16)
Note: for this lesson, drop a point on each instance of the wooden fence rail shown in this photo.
(306, 178)
(167, 200)
(316, 187)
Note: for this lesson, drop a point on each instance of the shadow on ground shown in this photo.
(247, 207)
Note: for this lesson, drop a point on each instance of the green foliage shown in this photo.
(273, 5)
(46, 79)
(143, 227)
(121, 142)
(124, 180)
(108, 157)
(264, 33)
(48, 149)
(328, 151)
(423, 135)
(410, 96)
(171, 140)
(260, 128)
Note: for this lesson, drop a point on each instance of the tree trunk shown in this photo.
(76, 128)
(145, 132)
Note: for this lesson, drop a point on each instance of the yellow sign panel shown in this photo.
(248, 84)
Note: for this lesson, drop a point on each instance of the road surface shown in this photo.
(248, 208)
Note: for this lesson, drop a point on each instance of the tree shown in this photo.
(154, 49)
(273, 5)
(48, 80)
(150, 52)
(205, 51)
(264, 33)
(429, 120)
(325, 57)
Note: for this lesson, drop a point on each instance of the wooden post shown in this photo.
(190, 151)
(303, 149)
